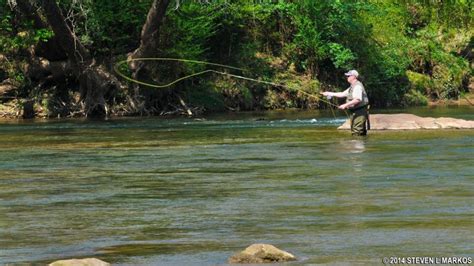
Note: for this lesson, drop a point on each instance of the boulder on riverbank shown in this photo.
(410, 122)
(80, 262)
(261, 253)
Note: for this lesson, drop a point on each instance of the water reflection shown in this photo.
(351, 146)
(357, 145)
(352, 150)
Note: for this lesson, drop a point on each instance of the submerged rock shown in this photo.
(261, 253)
(410, 122)
(80, 262)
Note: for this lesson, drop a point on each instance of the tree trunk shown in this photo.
(75, 51)
(50, 49)
(151, 30)
(94, 79)
(30, 13)
(149, 35)
(148, 47)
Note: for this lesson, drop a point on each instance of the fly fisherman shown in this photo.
(356, 101)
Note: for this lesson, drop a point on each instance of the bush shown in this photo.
(414, 98)
(419, 82)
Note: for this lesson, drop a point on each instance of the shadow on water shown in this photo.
(194, 191)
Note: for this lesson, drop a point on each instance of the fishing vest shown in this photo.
(364, 101)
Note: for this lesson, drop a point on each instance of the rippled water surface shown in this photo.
(194, 191)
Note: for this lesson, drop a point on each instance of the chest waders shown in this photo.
(359, 113)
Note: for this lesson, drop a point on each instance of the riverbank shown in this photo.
(15, 110)
(465, 100)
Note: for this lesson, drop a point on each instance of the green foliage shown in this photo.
(340, 56)
(235, 95)
(43, 35)
(414, 98)
(390, 42)
(445, 69)
(419, 82)
(187, 32)
(406, 51)
(107, 27)
(207, 97)
(15, 37)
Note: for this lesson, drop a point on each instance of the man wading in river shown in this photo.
(356, 101)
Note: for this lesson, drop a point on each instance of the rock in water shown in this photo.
(410, 122)
(80, 262)
(261, 253)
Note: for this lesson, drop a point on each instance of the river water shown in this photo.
(194, 191)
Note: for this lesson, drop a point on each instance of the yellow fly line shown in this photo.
(127, 61)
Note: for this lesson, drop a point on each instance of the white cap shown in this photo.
(352, 73)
